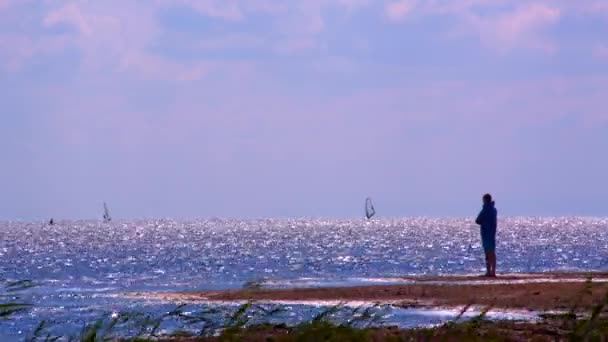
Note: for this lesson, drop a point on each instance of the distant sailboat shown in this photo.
(106, 213)
(369, 208)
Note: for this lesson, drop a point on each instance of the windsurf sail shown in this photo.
(369, 208)
(106, 213)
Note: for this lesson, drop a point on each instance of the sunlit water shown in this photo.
(80, 265)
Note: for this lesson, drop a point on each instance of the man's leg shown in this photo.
(493, 255)
(492, 263)
(488, 263)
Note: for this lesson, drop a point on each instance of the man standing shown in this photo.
(487, 220)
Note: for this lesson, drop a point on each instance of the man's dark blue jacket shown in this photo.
(487, 218)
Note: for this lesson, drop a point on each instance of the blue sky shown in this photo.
(262, 108)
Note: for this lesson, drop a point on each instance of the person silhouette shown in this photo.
(487, 220)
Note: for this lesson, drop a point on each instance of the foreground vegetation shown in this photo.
(249, 322)
(362, 326)
(482, 330)
(550, 327)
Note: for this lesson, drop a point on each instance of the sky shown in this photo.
(302, 108)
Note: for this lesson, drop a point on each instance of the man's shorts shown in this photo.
(488, 240)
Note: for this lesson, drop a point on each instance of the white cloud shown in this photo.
(501, 25)
(521, 27)
(224, 9)
(601, 52)
(111, 32)
(115, 36)
(155, 67)
(399, 9)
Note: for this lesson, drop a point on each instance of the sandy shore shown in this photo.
(542, 292)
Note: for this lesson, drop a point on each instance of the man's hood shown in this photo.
(489, 204)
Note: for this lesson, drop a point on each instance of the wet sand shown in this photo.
(540, 292)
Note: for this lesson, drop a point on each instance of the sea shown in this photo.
(75, 273)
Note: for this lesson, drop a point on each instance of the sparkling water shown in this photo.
(80, 267)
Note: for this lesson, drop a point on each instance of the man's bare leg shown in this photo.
(488, 264)
(491, 263)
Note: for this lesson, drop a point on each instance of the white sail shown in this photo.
(106, 213)
(369, 208)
